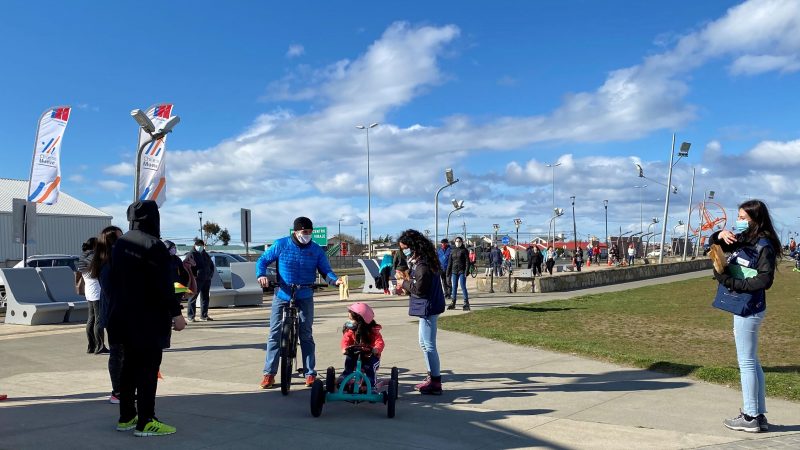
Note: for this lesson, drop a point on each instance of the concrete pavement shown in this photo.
(497, 395)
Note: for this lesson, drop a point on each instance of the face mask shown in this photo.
(173, 251)
(458, 244)
(741, 226)
(304, 238)
(350, 325)
(407, 252)
(199, 248)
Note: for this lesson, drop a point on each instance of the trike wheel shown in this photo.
(330, 380)
(317, 398)
(391, 399)
(286, 374)
(394, 382)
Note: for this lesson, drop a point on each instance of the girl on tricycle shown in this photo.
(361, 330)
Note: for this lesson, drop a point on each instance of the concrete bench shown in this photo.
(27, 302)
(371, 271)
(219, 296)
(60, 285)
(245, 283)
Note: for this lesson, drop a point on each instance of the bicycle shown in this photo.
(290, 331)
(472, 270)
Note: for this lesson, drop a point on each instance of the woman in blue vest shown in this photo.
(755, 247)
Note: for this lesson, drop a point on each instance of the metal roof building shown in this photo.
(58, 229)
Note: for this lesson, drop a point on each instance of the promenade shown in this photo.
(496, 395)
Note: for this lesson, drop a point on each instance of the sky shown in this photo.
(269, 94)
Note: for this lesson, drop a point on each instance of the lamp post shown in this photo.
(706, 195)
(653, 222)
(148, 127)
(688, 218)
(517, 223)
(457, 206)
(340, 231)
(641, 223)
(574, 228)
(682, 152)
(605, 206)
(448, 175)
(672, 237)
(496, 227)
(361, 232)
(200, 216)
(369, 192)
(553, 166)
(557, 212)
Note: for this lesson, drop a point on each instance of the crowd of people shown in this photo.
(135, 283)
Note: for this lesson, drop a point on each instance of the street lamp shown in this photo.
(574, 228)
(340, 230)
(148, 127)
(200, 216)
(557, 212)
(517, 223)
(369, 192)
(553, 166)
(672, 237)
(457, 205)
(451, 180)
(707, 195)
(361, 232)
(605, 205)
(682, 152)
(653, 222)
(496, 227)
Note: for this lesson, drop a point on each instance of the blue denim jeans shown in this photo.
(427, 342)
(461, 278)
(306, 307)
(745, 331)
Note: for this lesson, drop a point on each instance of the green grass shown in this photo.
(669, 328)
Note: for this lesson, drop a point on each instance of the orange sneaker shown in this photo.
(310, 380)
(268, 381)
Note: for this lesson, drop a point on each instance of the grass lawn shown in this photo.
(669, 328)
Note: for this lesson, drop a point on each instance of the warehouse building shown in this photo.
(58, 229)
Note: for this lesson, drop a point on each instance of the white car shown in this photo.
(51, 261)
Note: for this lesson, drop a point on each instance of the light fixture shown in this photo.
(448, 174)
(141, 118)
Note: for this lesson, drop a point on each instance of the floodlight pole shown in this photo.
(436, 210)
(666, 202)
(688, 218)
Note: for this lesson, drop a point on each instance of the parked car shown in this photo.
(51, 261)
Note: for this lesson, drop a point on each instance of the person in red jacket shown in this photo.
(362, 330)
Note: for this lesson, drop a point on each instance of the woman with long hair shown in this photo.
(751, 269)
(101, 259)
(424, 282)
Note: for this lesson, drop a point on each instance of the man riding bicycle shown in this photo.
(299, 259)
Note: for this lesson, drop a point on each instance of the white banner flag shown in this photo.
(152, 169)
(44, 184)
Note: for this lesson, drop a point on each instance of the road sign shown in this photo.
(506, 240)
(246, 226)
(318, 235)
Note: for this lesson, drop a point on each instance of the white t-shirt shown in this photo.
(92, 288)
(631, 251)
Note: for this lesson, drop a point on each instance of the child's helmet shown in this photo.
(363, 310)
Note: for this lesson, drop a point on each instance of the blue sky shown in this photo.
(268, 95)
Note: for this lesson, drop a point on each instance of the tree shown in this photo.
(211, 231)
(224, 236)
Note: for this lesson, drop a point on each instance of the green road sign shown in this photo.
(318, 235)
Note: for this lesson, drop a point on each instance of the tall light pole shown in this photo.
(706, 195)
(369, 192)
(641, 223)
(496, 227)
(553, 166)
(361, 232)
(605, 206)
(448, 175)
(200, 216)
(653, 222)
(574, 228)
(517, 223)
(672, 237)
(682, 152)
(557, 212)
(340, 230)
(688, 218)
(457, 206)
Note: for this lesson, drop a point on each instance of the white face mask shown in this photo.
(458, 244)
(303, 238)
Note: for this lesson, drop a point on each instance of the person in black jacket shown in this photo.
(203, 272)
(529, 256)
(457, 272)
(142, 311)
(754, 236)
(424, 282)
(538, 260)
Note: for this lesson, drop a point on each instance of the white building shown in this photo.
(58, 229)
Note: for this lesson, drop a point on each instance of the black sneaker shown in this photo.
(763, 425)
(206, 319)
(451, 305)
(742, 423)
(466, 307)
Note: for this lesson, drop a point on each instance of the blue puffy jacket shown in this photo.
(296, 265)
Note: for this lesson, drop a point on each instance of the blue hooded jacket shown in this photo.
(296, 265)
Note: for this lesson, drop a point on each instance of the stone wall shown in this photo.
(568, 281)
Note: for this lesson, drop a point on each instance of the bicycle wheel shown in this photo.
(287, 358)
(473, 271)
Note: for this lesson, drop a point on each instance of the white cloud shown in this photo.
(756, 64)
(121, 169)
(295, 50)
(112, 185)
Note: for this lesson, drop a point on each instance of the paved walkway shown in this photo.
(497, 395)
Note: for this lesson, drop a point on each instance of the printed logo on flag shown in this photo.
(162, 111)
(60, 114)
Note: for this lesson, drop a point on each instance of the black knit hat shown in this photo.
(303, 223)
